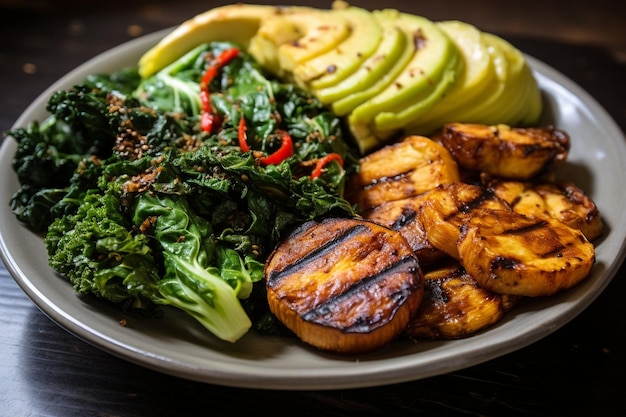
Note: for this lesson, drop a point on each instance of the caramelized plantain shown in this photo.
(506, 152)
(344, 285)
(404, 169)
(402, 215)
(447, 207)
(561, 200)
(510, 253)
(455, 305)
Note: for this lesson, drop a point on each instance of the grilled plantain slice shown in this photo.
(510, 253)
(447, 207)
(506, 152)
(404, 169)
(402, 215)
(455, 305)
(344, 285)
(561, 200)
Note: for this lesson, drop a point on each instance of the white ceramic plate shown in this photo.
(176, 345)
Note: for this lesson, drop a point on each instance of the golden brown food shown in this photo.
(455, 305)
(474, 206)
(404, 169)
(402, 215)
(510, 253)
(344, 285)
(506, 152)
(561, 200)
(448, 207)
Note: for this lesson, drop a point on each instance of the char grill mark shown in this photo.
(321, 252)
(408, 215)
(478, 201)
(524, 228)
(534, 231)
(405, 265)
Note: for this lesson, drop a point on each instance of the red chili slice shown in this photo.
(207, 117)
(282, 153)
(242, 136)
(323, 161)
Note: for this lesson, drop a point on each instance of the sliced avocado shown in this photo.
(503, 97)
(511, 99)
(391, 47)
(236, 23)
(521, 101)
(478, 70)
(478, 73)
(513, 108)
(296, 35)
(430, 72)
(403, 113)
(330, 68)
(479, 112)
(434, 55)
(347, 104)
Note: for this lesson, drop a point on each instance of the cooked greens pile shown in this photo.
(144, 205)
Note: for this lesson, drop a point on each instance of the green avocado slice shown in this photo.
(511, 96)
(478, 74)
(403, 113)
(333, 66)
(435, 55)
(236, 22)
(497, 100)
(392, 46)
(296, 35)
(492, 94)
(521, 102)
(348, 103)
(430, 72)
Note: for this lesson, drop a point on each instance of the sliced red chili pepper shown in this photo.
(206, 121)
(242, 136)
(205, 100)
(323, 161)
(282, 153)
(226, 56)
(208, 76)
(206, 118)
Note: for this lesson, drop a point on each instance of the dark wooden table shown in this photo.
(579, 370)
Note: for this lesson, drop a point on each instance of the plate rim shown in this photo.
(374, 373)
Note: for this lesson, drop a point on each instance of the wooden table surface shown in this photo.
(579, 370)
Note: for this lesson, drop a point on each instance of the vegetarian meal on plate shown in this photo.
(342, 176)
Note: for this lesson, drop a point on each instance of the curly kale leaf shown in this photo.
(176, 262)
(99, 254)
(88, 140)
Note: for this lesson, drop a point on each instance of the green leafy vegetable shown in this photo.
(200, 277)
(143, 208)
(97, 250)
